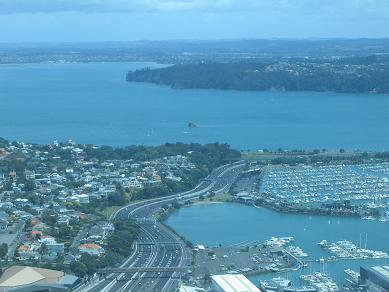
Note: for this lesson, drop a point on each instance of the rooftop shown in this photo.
(90, 245)
(234, 283)
(382, 270)
(19, 275)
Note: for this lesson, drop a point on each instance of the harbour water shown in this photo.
(92, 103)
(230, 223)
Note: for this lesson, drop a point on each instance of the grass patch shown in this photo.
(218, 198)
(222, 197)
(108, 211)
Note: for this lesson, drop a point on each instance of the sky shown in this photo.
(127, 20)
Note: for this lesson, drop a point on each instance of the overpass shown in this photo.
(140, 269)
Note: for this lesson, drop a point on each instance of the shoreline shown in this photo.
(199, 203)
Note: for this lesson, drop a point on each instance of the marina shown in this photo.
(249, 258)
(322, 282)
(352, 276)
(282, 284)
(315, 185)
(316, 282)
(297, 252)
(344, 249)
(281, 241)
(211, 225)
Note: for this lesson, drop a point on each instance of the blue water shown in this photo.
(92, 103)
(229, 223)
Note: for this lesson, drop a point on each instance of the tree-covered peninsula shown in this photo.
(353, 75)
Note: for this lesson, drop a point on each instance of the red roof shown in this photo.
(90, 246)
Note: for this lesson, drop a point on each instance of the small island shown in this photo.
(191, 125)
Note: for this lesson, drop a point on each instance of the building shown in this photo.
(232, 283)
(39, 288)
(17, 277)
(375, 279)
(4, 221)
(190, 289)
(45, 239)
(63, 220)
(55, 248)
(82, 199)
(28, 251)
(91, 249)
(69, 281)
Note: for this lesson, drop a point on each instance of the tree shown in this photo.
(64, 232)
(78, 268)
(43, 249)
(29, 186)
(49, 217)
(91, 262)
(207, 278)
(121, 239)
(117, 198)
(3, 250)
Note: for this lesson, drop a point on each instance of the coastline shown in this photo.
(206, 203)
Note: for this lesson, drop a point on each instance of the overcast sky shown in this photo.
(122, 20)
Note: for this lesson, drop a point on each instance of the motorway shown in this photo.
(156, 247)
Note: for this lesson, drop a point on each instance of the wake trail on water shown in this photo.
(210, 126)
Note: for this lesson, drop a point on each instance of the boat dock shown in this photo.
(322, 282)
(345, 249)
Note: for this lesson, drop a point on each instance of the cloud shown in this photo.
(208, 6)
(32, 6)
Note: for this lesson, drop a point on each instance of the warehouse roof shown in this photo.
(234, 283)
(20, 275)
(383, 270)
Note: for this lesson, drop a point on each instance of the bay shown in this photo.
(92, 103)
(230, 223)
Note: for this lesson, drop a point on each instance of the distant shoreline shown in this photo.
(346, 75)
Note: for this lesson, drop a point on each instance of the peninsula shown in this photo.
(344, 75)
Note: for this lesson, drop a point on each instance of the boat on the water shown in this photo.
(282, 284)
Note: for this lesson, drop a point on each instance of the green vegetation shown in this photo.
(117, 198)
(204, 157)
(108, 211)
(3, 250)
(208, 155)
(212, 197)
(360, 74)
(120, 241)
(169, 187)
(119, 247)
(222, 197)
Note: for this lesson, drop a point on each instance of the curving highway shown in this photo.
(156, 247)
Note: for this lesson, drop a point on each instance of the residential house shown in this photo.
(91, 249)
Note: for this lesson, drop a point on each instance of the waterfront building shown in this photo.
(17, 278)
(232, 283)
(184, 288)
(375, 279)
